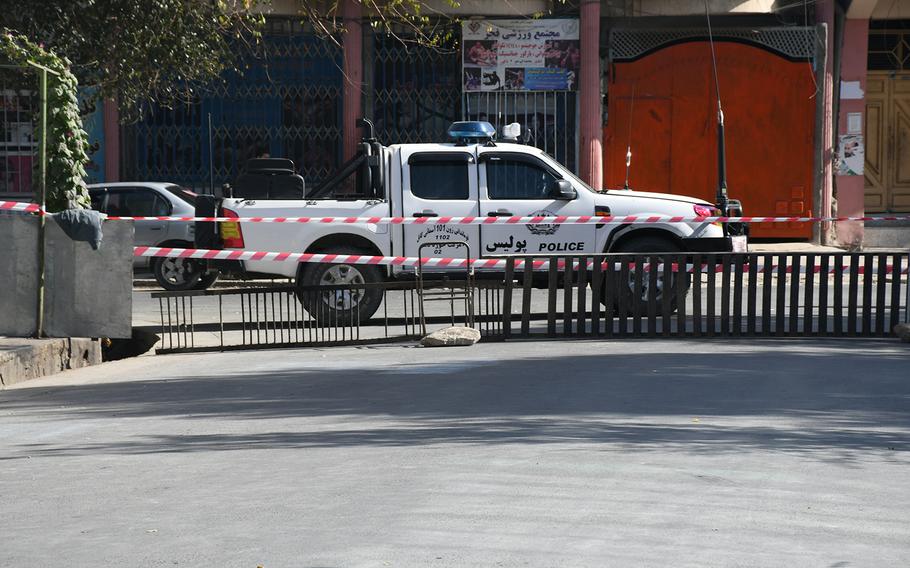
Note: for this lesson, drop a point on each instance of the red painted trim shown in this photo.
(591, 123)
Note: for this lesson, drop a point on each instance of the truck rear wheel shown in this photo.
(348, 304)
(624, 295)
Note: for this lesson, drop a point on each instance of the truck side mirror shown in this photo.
(563, 190)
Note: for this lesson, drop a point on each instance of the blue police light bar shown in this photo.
(472, 131)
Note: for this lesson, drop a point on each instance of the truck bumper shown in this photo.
(716, 244)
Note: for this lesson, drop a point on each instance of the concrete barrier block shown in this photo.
(88, 293)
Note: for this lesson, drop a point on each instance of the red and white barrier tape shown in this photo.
(435, 262)
(476, 220)
(19, 206)
(320, 257)
(517, 220)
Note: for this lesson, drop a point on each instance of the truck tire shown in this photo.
(340, 307)
(625, 291)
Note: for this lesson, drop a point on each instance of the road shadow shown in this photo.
(809, 401)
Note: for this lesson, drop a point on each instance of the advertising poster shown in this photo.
(520, 55)
(851, 155)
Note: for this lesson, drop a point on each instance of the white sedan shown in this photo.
(153, 199)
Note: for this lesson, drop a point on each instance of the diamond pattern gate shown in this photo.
(416, 89)
(417, 94)
(286, 103)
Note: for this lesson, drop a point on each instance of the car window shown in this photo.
(97, 196)
(439, 179)
(511, 178)
(136, 203)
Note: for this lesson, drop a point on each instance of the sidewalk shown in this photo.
(791, 246)
(23, 359)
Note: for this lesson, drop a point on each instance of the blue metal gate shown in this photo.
(415, 93)
(285, 103)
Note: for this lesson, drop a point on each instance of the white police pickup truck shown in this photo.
(471, 176)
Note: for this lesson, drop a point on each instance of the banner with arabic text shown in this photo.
(520, 55)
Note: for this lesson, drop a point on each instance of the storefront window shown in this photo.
(17, 145)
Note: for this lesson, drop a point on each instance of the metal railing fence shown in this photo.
(710, 295)
(292, 316)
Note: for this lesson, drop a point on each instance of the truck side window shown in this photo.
(439, 179)
(509, 178)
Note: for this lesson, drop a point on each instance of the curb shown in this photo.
(142, 284)
(25, 359)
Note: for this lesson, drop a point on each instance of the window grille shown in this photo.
(285, 103)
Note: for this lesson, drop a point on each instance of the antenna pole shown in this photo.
(629, 140)
(628, 164)
(721, 145)
(721, 162)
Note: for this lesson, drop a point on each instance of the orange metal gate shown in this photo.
(769, 105)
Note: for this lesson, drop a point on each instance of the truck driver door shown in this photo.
(517, 184)
(439, 184)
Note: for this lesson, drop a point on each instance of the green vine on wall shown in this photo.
(67, 142)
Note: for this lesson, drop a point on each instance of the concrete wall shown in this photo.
(87, 293)
(851, 188)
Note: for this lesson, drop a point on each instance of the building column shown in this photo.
(851, 186)
(352, 82)
(590, 121)
(824, 12)
(111, 127)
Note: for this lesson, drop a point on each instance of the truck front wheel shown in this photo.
(624, 295)
(345, 295)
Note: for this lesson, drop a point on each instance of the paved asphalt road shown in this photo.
(635, 453)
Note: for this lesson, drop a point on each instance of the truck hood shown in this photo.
(659, 196)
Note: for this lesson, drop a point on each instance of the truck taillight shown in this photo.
(706, 211)
(231, 234)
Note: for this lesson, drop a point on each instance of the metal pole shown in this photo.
(907, 302)
(721, 162)
(42, 186)
(211, 160)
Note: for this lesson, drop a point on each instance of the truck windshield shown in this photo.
(565, 171)
(579, 181)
